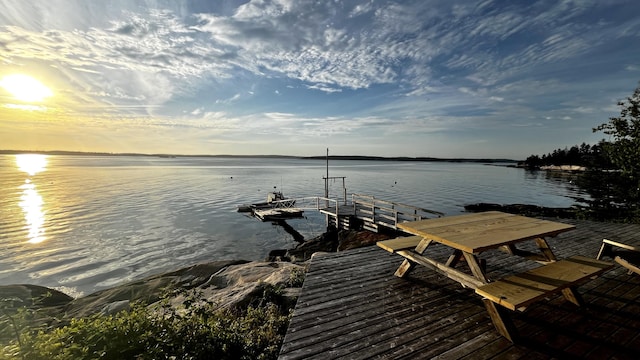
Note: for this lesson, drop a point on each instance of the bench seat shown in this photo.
(626, 255)
(400, 243)
(607, 248)
(518, 291)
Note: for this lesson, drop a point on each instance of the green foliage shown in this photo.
(591, 156)
(624, 153)
(613, 176)
(195, 330)
(296, 277)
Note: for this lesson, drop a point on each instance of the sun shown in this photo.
(25, 88)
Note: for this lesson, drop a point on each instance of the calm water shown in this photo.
(84, 223)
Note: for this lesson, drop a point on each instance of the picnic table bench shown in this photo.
(516, 292)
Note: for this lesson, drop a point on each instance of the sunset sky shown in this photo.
(501, 79)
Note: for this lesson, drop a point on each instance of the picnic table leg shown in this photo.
(546, 249)
(454, 258)
(404, 268)
(501, 320)
(573, 296)
(408, 265)
(509, 249)
(499, 317)
(478, 268)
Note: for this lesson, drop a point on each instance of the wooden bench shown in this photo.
(607, 248)
(400, 243)
(622, 254)
(518, 291)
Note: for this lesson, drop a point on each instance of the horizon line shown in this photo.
(312, 157)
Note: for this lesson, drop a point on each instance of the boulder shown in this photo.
(225, 283)
(327, 242)
(524, 209)
(238, 285)
(32, 296)
(148, 290)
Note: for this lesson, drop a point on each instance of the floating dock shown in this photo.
(278, 214)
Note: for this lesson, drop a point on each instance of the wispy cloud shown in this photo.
(325, 68)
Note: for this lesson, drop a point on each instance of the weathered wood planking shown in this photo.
(353, 307)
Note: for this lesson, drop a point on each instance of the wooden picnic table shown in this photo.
(471, 234)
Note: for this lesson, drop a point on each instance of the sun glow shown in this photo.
(31, 163)
(25, 88)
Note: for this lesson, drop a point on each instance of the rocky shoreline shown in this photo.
(525, 209)
(229, 284)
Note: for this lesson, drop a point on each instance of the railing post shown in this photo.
(373, 209)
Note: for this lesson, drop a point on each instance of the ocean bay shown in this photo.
(85, 223)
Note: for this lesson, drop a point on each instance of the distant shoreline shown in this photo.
(331, 157)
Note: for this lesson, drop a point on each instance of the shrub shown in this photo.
(195, 330)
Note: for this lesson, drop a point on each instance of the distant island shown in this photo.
(323, 157)
(406, 158)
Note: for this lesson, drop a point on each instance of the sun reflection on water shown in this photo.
(31, 204)
(30, 201)
(31, 163)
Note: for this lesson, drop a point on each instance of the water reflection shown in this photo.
(31, 163)
(31, 204)
(30, 201)
(568, 180)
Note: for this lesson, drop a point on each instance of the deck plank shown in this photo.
(351, 306)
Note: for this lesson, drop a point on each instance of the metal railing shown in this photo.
(364, 207)
(310, 203)
(388, 213)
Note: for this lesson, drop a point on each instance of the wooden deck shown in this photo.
(351, 306)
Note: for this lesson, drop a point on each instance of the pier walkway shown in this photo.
(352, 307)
(368, 211)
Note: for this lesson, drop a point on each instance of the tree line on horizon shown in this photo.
(589, 156)
(612, 176)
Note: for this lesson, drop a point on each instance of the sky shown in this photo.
(439, 78)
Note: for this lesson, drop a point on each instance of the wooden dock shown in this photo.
(352, 307)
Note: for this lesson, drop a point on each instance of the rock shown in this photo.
(115, 307)
(226, 283)
(148, 290)
(333, 241)
(290, 297)
(327, 242)
(318, 254)
(47, 305)
(238, 285)
(524, 209)
(351, 239)
(278, 255)
(32, 296)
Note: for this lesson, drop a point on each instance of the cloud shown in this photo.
(327, 45)
(230, 100)
(320, 68)
(326, 89)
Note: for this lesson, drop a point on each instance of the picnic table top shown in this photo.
(478, 232)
